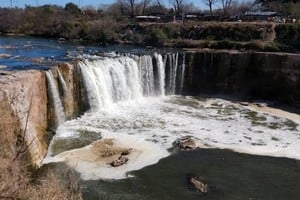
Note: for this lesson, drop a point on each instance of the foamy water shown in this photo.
(150, 126)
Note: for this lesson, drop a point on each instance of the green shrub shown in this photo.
(288, 34)
(156, 37)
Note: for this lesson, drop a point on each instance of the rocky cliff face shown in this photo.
(23, 111)
(69, 84)
(271, 76)
(27, 112)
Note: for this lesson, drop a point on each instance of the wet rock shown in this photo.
(260, 105)
(120, 161)
(4, 55)
(37, 60)
(126, 152)
(199, 184)
(187, 143)
(61, 39)
(244, 103)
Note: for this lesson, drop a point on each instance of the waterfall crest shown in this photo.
(112, 79)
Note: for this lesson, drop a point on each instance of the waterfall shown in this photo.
(62, 81)
(112, 79)
(54, 95)
(146, 65)
(180, 74)
(171, 63)
(161, 73)
(109, 80)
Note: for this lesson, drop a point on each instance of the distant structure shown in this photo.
(259, 15)
(144, 18)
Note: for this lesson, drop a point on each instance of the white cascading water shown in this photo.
(62, 81)
(181, 70)
(147, 75)
(58, 106)
(161, 73)
(109, 80)
(171, 62)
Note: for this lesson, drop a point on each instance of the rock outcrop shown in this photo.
(27, 112)
(23, 96)
(270, 76)
(187, 143)
(199, 184)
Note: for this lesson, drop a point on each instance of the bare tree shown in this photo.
(240, 8)
(145, 3)
(210, 3)
(226, 4)
(130, 6)
(178, 6)
(159, 4)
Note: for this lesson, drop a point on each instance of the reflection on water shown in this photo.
(232, 176)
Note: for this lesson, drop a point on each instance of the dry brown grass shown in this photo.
(17, 179)
(17, 183)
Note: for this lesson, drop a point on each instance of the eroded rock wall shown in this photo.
(23, 112)
(270, 76)
(27, 113)
(69, 83)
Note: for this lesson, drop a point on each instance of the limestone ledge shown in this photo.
(25, 94)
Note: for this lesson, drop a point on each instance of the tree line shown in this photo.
(115, 23)
(54, 20)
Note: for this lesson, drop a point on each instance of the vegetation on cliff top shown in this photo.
(113, 27)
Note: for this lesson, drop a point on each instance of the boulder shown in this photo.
(120, 161)
(5, 55)
(187, 143)
(199, 184)
(244, 103)
(126, 152)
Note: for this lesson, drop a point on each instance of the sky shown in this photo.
(82, 3)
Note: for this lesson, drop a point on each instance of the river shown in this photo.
(245, 150)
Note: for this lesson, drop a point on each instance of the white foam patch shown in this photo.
(92, 166)
(151, 125)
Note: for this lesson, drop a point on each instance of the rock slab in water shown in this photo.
(187, 143)
(199, 184)
(120, 161)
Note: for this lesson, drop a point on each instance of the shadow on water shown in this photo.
(232, 176)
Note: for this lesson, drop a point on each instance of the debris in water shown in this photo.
(120, 161)
(199, 184)
(187, 143)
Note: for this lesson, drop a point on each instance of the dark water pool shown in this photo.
(233, 176)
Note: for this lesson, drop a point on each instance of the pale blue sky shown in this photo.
(95, 3)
